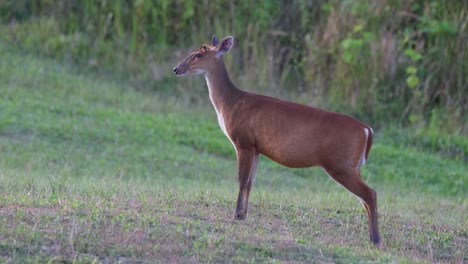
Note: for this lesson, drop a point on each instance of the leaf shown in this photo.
(413, 55)
(358, 28)
(368, 35)
(347, 56)
(413, 118)
(346, 43)
(411, 70)
(446, 27)
(412, 81)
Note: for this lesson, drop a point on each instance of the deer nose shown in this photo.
(175, 70)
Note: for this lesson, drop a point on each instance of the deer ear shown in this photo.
(225, 45)
(214, 40)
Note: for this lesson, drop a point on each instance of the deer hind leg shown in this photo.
(352, 181)
(247, 166)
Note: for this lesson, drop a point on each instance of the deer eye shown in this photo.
(198, 55)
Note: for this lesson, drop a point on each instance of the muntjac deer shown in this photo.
(291, 134)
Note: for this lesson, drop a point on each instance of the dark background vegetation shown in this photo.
(390, 63)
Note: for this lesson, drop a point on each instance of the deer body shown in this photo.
(291, 134)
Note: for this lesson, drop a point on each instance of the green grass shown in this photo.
(93, 170)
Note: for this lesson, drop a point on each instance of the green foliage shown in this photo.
(355, 44)
(351, 56)
(395, 61)
(412, 79)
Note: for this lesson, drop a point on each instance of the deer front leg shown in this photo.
(247, 165)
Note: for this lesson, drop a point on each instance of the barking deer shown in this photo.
(290, 134)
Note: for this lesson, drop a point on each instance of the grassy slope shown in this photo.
(92, 170)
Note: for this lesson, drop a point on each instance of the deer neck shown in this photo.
(223, 93)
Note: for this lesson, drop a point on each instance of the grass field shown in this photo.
(94, 171)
